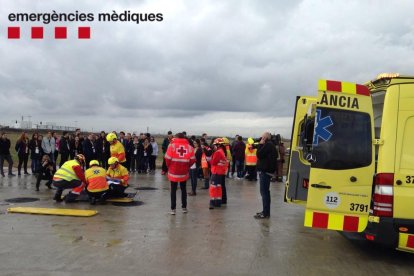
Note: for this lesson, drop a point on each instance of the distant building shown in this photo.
(22, 124)
(26, 124)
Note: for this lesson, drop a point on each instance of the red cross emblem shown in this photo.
(181, 151)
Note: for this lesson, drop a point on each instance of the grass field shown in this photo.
(14, 136)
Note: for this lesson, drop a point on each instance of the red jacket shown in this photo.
(219, 162)
(179, 158)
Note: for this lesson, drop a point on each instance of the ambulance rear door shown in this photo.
(404, 161)
(342, 161)
(297, 181)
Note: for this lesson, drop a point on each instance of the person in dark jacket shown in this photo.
(64, 148)
(79, 135)
(206, 154)
(76, 147)
(89, 149)
(233, 163)
(5, 154)
(35, 146)
(122, 138)
(57, 148)
(164, 147)
(136, 151)
(22, 149)
(198, 152)
(103, 150)
(40, 139)
(45, 172)
(266, 165)
(195, 168)
(127, 142)
(238, 156)
(147, 151)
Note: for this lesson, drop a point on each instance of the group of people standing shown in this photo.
(185, 156)
(34, 148)
(181, 162)
(141, 151)
(245, 160)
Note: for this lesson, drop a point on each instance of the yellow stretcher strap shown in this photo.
(53, 211)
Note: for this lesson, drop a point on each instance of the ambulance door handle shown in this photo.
(320, 186)
(353, 179)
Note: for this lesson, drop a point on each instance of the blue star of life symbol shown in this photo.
(321, 128)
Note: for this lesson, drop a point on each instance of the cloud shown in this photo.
(206, 59)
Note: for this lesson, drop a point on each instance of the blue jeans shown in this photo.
(35, 165)
(265, 192)
(52, 157)
(145, 163)
(193, 177)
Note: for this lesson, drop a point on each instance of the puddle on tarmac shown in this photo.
(146, 188)
(21, 199)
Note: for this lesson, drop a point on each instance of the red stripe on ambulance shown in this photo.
(320, 220)
(335, 86)
(351, 223)
(410, 241)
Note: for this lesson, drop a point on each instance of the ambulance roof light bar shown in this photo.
(387, 76)
(381, 79)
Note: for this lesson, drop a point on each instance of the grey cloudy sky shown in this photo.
(221, 67)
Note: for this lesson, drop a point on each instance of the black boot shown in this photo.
(211, 204)
(71, 197)
(217, 203)
(92, 200)
(49, 184)
(206, 183)
(58, 195)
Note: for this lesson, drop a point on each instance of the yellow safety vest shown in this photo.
(251, 157)
(118, 151)
(96, 179)
(66, 172)
(120, 172)
(228, 153)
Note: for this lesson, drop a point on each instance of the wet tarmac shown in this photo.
(146, 240)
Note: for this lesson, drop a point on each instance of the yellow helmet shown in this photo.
(110, 137)
(226, 141)
(250, 141)
(113, 160)
(93, 163)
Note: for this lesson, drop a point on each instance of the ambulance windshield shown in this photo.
(342, 139)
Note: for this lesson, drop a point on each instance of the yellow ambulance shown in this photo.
(352, 159)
